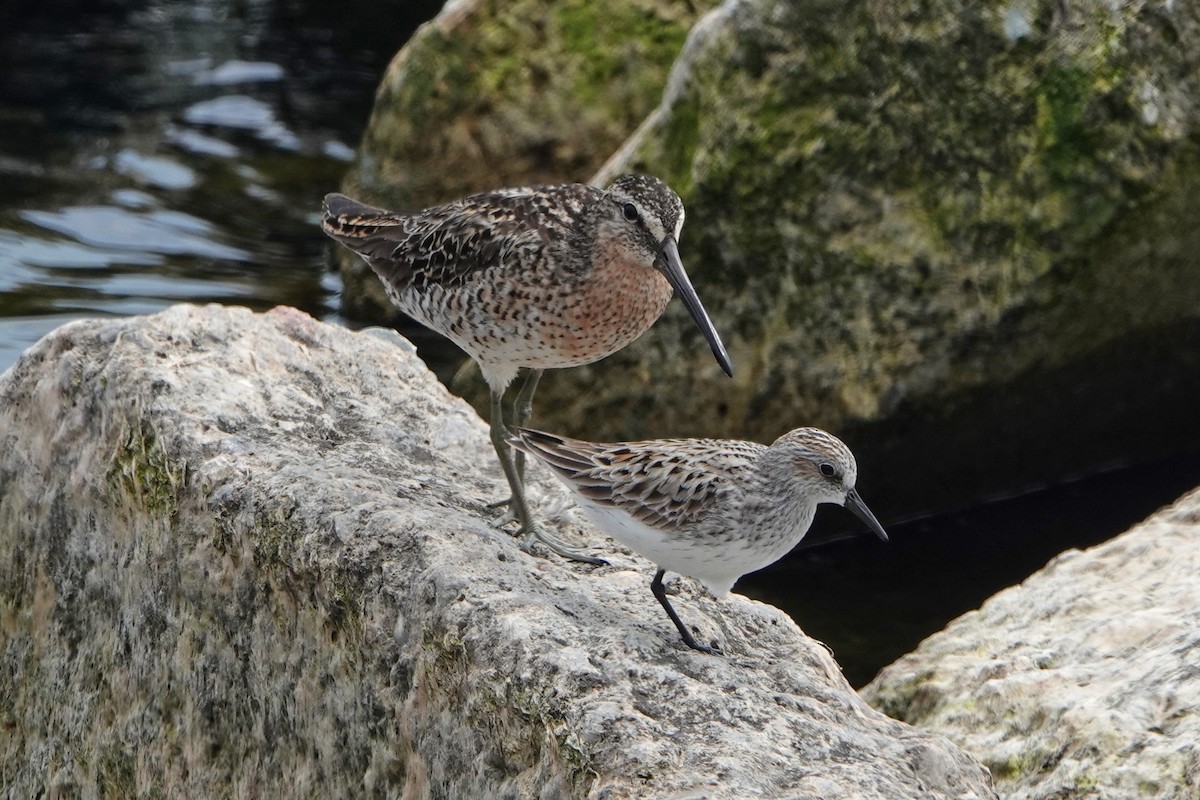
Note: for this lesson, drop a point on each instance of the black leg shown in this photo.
(660, 592)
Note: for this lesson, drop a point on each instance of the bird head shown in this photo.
(647, 216)
(826, 470)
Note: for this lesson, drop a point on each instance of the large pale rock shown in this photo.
(246, 555)
(1081, 682)
(493, 94)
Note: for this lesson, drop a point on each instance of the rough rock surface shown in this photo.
(246, 555)
(492, 94)
(1082, 682)
(958, 234)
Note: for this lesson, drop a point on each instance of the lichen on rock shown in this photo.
(953, 234)
(248, 555)
(1079, 682)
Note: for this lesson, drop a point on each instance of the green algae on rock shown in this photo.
(893, 209)
(953, 233)
(494, 94)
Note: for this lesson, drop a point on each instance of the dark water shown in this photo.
(873, 602)
(167, 151)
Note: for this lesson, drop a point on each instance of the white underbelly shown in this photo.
(715, 561)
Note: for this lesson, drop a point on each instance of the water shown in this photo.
(873, 602)
(174, 151)
(160, 152)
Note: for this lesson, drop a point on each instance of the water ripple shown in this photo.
(151, 232)
(244, 113)
(158, 171)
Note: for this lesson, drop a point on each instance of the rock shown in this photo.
(1080, 682)
(957, 235)
(247, 555)
(506, 94)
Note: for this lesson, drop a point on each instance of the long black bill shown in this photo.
(856, 504)
(678, 279)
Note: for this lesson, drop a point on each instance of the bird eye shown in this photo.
(828, 471)
(631, 213)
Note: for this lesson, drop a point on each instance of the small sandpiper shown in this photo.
(711, 509)
(530, 278)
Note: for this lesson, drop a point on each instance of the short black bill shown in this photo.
(856, 504)
(673, 270)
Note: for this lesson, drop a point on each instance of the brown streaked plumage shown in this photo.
(711, 509)
(530, 278)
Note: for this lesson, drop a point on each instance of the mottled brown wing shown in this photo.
(446, 244)
(665, 483)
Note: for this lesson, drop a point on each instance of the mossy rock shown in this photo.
(493, 94)
(959, 235)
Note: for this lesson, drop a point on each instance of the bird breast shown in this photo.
(542, 319)
(614, 304)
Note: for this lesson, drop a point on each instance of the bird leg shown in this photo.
(522, 410)
(660, 592)
(518, 509)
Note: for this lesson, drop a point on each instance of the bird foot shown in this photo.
(532, 534)
(708, 651)
(492, 506)
(508, 516)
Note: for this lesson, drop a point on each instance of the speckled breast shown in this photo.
(547, 323)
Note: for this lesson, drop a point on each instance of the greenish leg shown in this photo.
(518, 511)
(513, 463)
(523, 410)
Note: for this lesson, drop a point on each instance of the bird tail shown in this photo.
(565, 455)
(350, 221)
(373, 233)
